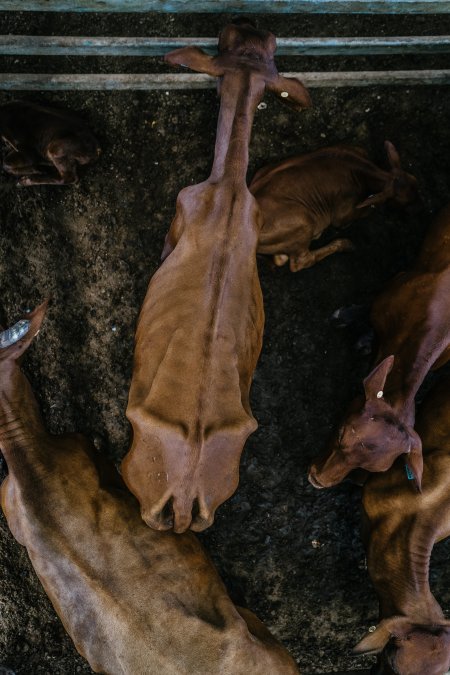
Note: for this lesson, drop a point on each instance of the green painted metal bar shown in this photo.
(37, 45)
(171, 81)
(246, 6)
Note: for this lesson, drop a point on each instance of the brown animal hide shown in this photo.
(45, 144)
(200, 329)
(400, 528)
(412, 321)
(133, 600)
(301, 197)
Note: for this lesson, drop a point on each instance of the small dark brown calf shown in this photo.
(133, 600)
(412, 322)
(45, 144)
(301, 197)
(200, 329)
(400, 528)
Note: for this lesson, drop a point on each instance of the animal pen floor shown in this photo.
(287, 551)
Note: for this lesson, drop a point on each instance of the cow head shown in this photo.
(243, 46)
(82, 147)
(179, 486)
(371, 438)
(407, 648)
(400, 188)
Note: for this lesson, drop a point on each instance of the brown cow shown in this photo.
(412, 322)
(200, 329)
(133, 600)
(42, 139)
(301, 197)
(400, 528)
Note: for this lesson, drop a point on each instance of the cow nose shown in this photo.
(160, 516)
(175, 514)
(193, 514)
(201, 522)
(312, 477)
(158, 520)
(179, 514)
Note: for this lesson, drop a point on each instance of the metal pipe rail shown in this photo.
(169, 81)
(24, 45)
(235, 6)
(40, 45)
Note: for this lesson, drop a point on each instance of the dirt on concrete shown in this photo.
(290, 553)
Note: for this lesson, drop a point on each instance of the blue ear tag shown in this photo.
(409, 473)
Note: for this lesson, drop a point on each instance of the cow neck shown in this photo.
(406, 377)
(374, 178)
(403, 586)
(240, 93)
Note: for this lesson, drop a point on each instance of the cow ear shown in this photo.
(291, 92)
(392, 155)
(414, 461)
(195, 59)
(378, 198)
(375, 381)
(375, 641)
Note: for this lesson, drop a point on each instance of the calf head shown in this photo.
(400, 188)
(371, 438)
(244, 47)
(82, 147)
(407, 648)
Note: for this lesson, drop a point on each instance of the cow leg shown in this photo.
(66, 169)
(310, 258)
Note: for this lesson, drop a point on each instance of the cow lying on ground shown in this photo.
(133, 600)
(200, 328)
(411, 318)
(400, 528)
(301, 197)
(45, 144)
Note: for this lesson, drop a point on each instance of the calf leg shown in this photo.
(65, 167)
(20, 163)
(310, 258)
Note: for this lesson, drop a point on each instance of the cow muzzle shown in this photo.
(179, 515)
